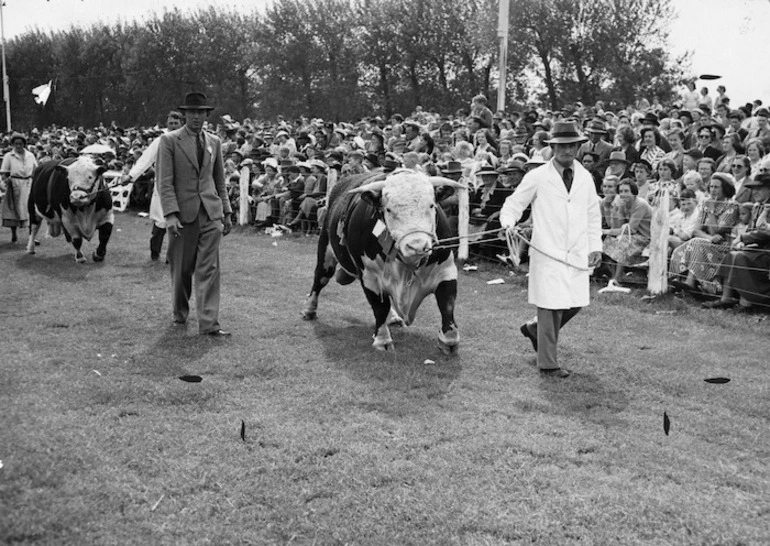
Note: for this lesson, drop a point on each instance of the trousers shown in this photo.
(195, 253)
(546, 327)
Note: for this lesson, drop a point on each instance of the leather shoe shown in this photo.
(179, 322)
(527, 334)
(218, 333)
(561, 373)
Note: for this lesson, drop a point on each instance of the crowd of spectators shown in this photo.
(711, 158)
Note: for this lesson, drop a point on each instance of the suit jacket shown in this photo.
(183, 185)
(603, 148)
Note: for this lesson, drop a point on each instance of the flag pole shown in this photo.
(502, 34)
(6, 91)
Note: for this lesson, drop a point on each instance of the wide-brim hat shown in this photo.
(195, 101)
(618, 157)
(651, 117)
(566, 132)
(16, 136)
(596, 127)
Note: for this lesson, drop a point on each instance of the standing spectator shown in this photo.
(480, 110)
(16, 171)
(191, 180)
(705, 99)
(566, 241)
(596, 143)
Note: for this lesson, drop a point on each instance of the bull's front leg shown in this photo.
(324, 270)
(77, 242)
(33, 229)
(449, 335)
(105, 231)
(381, 306)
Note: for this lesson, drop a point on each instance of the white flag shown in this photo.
(42, 92)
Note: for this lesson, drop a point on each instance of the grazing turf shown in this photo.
(101, 443)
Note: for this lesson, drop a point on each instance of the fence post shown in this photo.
(243, 216)
(657, 278)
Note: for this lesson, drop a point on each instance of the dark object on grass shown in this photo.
(709, 77)
(666, 423)
(191, 378)
(243, 430)
(717, 380)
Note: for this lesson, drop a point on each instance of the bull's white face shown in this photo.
(409, 208)
(83, 176)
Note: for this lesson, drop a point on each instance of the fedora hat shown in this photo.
(651, 117)
(618, 156)
(566, 132)
(452, 167)
(595, 127)
(195, 101)
(390, 165)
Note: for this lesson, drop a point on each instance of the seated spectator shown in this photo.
(682, 228)
(650, 149)
(741, 171)
(642, 171)
(755, 151)
(692, 181)
(694, 264)
(629, 232)
(608, 194)
(745, 271)
(314, 195)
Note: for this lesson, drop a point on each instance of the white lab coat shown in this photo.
(145, 161)
(565, 226)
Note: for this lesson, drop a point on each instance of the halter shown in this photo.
(391, 246)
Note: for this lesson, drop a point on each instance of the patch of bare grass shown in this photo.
(101, 442)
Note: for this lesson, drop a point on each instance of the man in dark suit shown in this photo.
(191, 182)
(596, 143)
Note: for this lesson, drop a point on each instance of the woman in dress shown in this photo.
(650, 149)
(755, 151)
(16, 172)
(696, 262)
(629, 232)
(732, 147)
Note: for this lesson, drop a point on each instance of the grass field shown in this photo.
(101, 443)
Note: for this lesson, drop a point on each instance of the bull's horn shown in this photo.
(374, 187)
(441, 181)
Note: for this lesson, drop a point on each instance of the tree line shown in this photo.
(343, 59)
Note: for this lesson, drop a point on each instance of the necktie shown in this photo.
(199, 141)
(567, 178)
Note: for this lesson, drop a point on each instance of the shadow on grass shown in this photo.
(403, 370)
(174, 353)
(585, 396)
(61, 267)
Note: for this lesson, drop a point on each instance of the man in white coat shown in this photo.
(173, 122)
(566, 241)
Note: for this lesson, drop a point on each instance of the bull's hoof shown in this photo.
(449, 342)
(383, 344)
(97, 258)
(309, 315)
(80, 259)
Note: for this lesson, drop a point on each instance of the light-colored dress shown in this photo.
(701, 256)
(15, 212)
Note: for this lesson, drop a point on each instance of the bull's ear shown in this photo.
(443, 192)
(371, 197)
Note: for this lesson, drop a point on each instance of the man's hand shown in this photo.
(227, 224)
(717, 239)
(173, 225)
(594, 259)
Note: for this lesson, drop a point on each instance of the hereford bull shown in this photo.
(73, 197)
(383, 231)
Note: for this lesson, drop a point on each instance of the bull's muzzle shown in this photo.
(79, 198)
(415, 247)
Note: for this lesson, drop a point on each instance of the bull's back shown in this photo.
(349, 223)
(49, 188)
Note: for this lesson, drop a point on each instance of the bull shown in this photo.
(73, 197)
(384, 231)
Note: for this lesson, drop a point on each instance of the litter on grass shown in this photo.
(496, 281)
(142, 214)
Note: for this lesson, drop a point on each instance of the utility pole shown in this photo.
(6, 90)
(502, 34)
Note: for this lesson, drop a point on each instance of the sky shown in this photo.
(727, 37)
